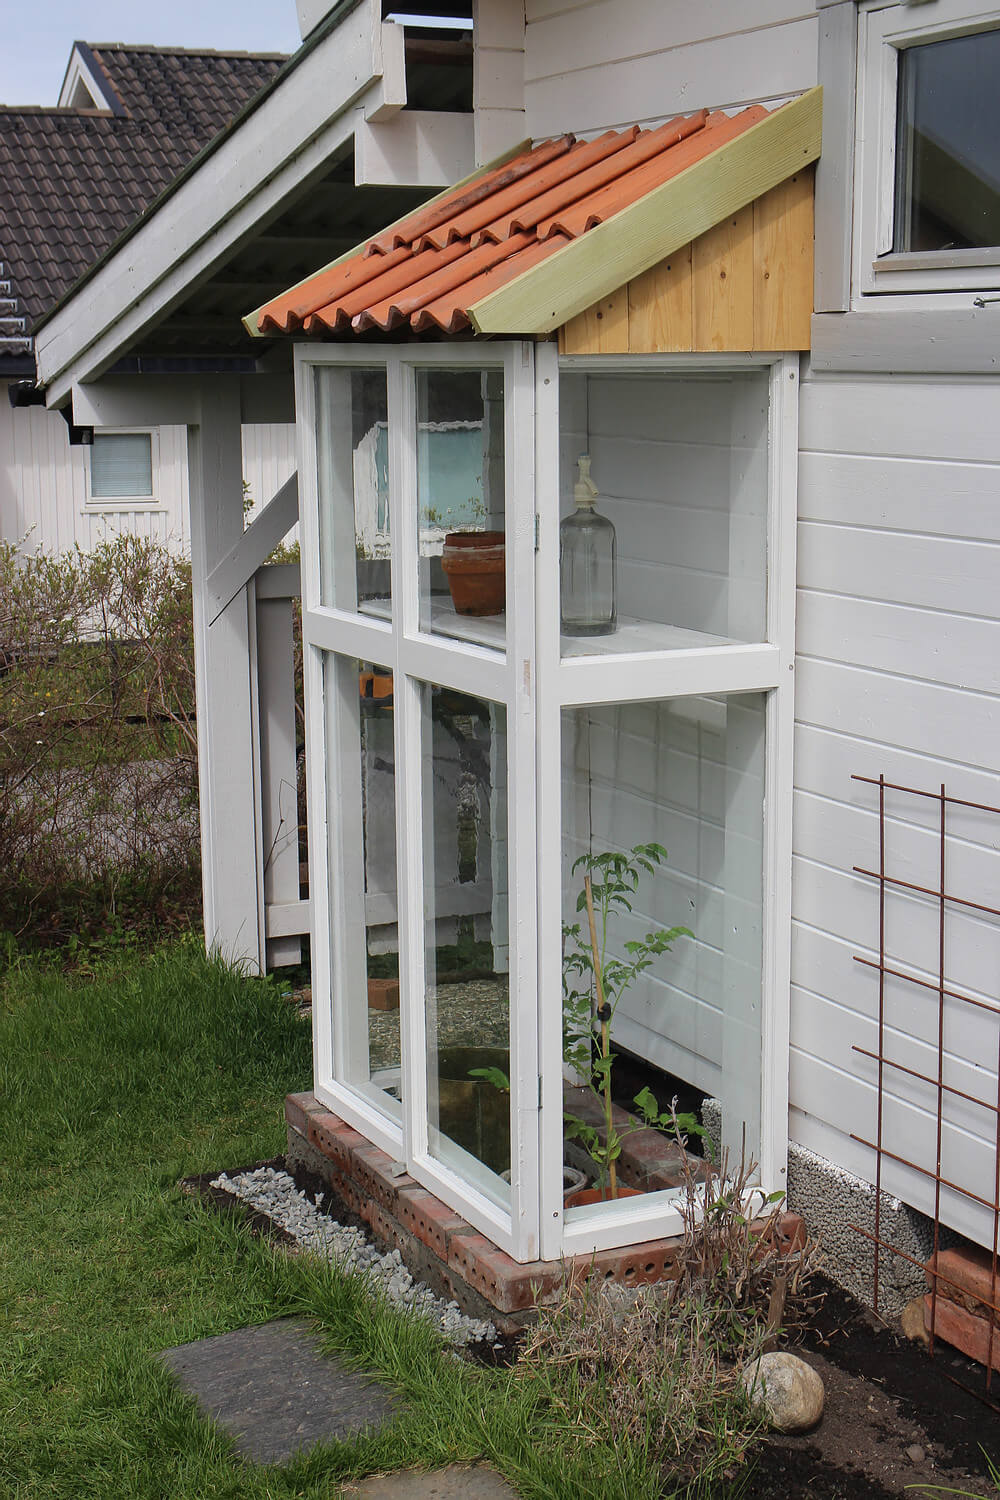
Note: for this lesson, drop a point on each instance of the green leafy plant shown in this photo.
(594, 982)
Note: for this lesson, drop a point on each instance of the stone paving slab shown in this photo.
(457, 1482)
(275, 1393)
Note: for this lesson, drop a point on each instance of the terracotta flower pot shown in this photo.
(473, 562)
(600, 1195)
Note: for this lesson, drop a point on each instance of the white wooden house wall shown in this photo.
(268, 460)
(599, 64)
(898, 642)
(44, 495)
(898, 634)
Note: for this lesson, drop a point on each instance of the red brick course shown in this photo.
(402, 1213)
(965, 1276)
(429, 1220)
(957, 1326)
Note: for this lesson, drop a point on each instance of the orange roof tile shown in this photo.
(427, 271)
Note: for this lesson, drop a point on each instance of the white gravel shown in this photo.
(275, 1194)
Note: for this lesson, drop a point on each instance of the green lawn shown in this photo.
(113, 1085)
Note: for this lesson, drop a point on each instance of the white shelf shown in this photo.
(638, 635)
(631, 637)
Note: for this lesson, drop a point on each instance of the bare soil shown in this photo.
(895, 1418)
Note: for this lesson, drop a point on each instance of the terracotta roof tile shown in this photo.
(429, 269)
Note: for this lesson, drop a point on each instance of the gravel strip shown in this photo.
(274, 1193)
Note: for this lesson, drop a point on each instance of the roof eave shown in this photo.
(252, 320)
(316, 37)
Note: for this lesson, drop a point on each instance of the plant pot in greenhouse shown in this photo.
(473, 563)
(600, 1195)
(573, 1181)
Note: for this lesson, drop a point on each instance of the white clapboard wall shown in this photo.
(898, 673)
(45, 495)
(45, 501)
(599, 64)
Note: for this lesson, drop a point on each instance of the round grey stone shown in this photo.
(789, 1392)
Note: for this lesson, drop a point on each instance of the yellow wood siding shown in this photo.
(746, 284)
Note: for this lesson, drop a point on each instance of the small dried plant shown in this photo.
(657, 1366)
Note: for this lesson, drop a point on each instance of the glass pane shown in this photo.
(663, 809)
(352, 453)
(948, 145)
(361, 812)
(460, 495)
(121, 465)
(466, 964)
(663, 497)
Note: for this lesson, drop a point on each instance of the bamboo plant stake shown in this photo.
(602, 1013)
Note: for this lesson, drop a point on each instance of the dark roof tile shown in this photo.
(72, 181)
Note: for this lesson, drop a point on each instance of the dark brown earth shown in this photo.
(895, 1419)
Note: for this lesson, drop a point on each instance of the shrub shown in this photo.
(98, 750)
(656, 1369)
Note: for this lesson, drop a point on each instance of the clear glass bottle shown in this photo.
(588, 563)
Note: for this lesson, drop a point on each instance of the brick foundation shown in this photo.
(440, 1247)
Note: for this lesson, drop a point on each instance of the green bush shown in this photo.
(98, 750)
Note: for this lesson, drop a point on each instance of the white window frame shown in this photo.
(106, 503)
(939, 278)
(417, 657)
(765, 666)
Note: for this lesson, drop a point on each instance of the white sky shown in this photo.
(38, 35)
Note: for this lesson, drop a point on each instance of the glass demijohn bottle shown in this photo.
(588, 563)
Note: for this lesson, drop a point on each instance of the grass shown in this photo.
(115, 1081)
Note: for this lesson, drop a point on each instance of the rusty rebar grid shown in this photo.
(944, 899)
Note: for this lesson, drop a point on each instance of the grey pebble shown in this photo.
(275, 1194)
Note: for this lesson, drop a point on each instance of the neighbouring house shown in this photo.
(75, 176)
(746, 257)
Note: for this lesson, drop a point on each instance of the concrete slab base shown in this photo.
(274, 1392)
(832, 1201)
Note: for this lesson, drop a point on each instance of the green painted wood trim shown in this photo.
(250, 322)
(606, 257)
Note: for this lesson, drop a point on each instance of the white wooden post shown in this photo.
(231, 869)
(275, 677)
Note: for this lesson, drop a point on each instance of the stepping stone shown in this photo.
(457, 1482)
(275, 1393)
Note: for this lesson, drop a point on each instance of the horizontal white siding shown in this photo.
(898, 672)
(602, 63)
(44, 489)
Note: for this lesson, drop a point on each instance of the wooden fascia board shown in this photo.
(640, 236)
(252, 320)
